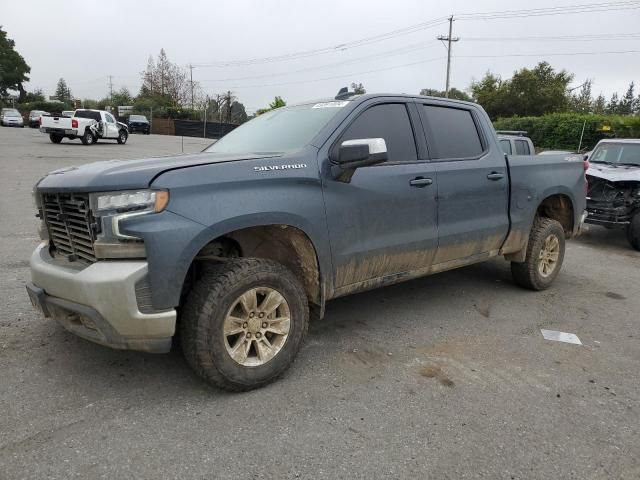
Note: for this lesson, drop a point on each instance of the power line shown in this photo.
(396, 51)
(562, 10)
(552, 54)
(588, 38)
(329, 49)
(355, 74)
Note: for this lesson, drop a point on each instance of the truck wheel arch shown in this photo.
(558, 207)
(285, 244)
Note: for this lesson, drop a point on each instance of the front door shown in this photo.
(111, 127)
(383, 222)
(473, 188)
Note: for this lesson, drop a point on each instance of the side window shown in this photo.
(391, 122)
(522, 147)
(454, 133)
(506, 146)
(109, 118)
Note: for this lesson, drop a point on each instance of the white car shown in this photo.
(87, 125)
(10, 117)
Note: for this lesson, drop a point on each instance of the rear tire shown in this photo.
(633, 231)
(88, 138)
(122, 137)
(230, 335)
(545, 254)
(55, 138)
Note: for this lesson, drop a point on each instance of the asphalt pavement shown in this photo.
(445, 377)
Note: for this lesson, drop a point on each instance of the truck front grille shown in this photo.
(69, 222)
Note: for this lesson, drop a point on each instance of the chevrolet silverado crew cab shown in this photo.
(613, 200)
(87, 125)
(234, 249)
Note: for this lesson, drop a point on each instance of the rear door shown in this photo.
(383, 222)
(473, 184)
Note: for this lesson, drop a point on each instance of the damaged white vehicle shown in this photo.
(87, 125)
(613, 199)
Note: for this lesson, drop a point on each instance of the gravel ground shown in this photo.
(442, 377)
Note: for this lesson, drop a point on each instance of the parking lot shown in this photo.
(442, 377)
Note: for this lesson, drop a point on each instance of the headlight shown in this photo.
(144, 200)
(112, 207)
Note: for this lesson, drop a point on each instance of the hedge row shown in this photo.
(562, 130)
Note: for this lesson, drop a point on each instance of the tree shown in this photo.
(238, 113)
(533, 92)
(13, 68)
(122, 97)
(165, 84)
(614, 106)
(62, 91)
(36, 96)
(453, 93)
(358, 88)
(582, 101)
(277, 103)
(627, 104)
(492, 93)
(599, 105)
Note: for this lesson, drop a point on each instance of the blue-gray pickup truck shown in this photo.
(234, 249)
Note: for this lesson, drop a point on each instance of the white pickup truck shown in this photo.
(87, 125)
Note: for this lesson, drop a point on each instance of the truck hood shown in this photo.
(128, 174)
(621, 173)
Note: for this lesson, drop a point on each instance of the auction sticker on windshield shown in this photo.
(330, 105)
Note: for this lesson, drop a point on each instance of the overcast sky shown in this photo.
(86, 41)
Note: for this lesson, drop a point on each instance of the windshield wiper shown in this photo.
(601, 161)
(630, 164)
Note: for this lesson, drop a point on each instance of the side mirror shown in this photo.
(353, 154)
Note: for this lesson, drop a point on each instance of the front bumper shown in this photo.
(607, 215)
(98, 302)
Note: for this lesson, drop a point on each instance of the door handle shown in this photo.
(420, 182)
(495, 176)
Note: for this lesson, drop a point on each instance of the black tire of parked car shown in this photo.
(88, 138)
(202, 322)
(527, 274)
(55, 138)
(633, 231)
(122, 137)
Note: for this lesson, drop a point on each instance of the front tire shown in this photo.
(88, 138)
(243, 323)
(545, 254)
(122, 137)
(633, 231)
(55, 138)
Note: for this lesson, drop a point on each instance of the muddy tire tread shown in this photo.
(196, 329)
(525, 274)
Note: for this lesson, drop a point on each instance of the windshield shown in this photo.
(279, 131)
(617, 154)
(137, 118)
(12, 114)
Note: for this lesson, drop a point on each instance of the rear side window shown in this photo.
(88, 114)
(506, 146)
(391, 122)
(453, 133)
(522, 147)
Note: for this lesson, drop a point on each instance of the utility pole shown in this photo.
(449, 39)
(191, 75)
(111, 90)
